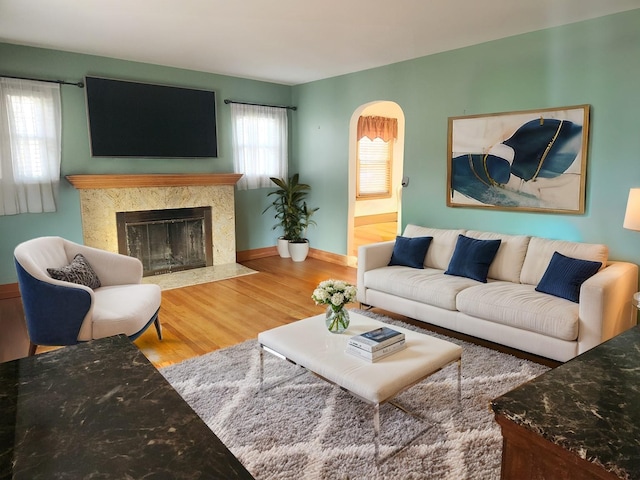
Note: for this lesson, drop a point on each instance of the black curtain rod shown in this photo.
(61, 82)
(227, 101)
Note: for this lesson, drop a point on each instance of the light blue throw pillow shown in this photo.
(472, 258)
(410, 251)
(565, 275)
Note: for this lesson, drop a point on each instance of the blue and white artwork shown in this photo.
(533, 160)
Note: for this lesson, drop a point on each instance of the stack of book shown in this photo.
(376, 344)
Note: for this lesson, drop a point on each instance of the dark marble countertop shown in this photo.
(100, 410)
(589, 405)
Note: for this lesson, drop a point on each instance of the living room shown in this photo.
(594, 62)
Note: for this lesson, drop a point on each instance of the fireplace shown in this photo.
(167, 240)
(102, 196)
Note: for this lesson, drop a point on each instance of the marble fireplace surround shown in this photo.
(101, 196)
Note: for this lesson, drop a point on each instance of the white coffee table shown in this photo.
(309, 344)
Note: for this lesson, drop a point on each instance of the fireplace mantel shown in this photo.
(82, 182)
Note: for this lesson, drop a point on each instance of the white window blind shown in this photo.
(260, 144)
(30, 146)
(374, 167)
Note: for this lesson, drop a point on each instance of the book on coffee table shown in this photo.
(374, 340)
(378, 354)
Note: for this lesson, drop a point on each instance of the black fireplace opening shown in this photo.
(167, 240)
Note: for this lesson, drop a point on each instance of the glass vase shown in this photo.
(337, 319)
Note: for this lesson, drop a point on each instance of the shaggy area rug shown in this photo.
(301, 427)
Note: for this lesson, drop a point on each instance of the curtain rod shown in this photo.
(61, 82)
(227, 101)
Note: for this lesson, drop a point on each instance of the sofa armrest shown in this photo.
(605, 304)
(55, 311)
(374, 255)
(111, 268)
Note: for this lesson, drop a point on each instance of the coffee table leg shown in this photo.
(264, 348)
(460, 383)
(376, 429)
(261, 365)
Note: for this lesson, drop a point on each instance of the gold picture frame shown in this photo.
(530, 160)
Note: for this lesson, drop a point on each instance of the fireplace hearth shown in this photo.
(167, 240)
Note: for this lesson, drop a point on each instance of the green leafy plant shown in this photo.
(290, 206)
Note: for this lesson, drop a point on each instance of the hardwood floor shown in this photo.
(372, 233)
(203, 318)
(14, 341)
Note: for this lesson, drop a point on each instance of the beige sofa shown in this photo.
(507, 309)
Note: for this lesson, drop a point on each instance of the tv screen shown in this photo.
(130, 119)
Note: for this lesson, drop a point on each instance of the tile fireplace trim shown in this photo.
(152, 180)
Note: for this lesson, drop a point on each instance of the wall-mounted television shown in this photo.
(131, 119)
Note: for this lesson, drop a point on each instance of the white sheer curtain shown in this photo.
(30, 146)
(260, 144)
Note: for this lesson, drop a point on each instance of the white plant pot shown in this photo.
(283, 247)
(299, 251)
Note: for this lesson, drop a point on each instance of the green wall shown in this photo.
(595, 62)
(76, 158)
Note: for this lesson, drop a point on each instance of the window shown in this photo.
(260, 144)
(30, 146)
(374, 167)
(376, 137)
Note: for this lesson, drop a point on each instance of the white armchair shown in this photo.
(60, 312)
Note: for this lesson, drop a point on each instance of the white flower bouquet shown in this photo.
(335, 293)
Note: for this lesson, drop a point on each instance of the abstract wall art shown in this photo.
(532, 160)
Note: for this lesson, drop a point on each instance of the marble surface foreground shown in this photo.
(101, 410)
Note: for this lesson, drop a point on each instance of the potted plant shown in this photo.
(298, 244)
(292, 214)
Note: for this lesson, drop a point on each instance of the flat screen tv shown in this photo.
(130, 119)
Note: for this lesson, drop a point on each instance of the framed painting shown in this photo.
(532, 160)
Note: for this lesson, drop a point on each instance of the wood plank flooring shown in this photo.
(372, 233)
(203, 318)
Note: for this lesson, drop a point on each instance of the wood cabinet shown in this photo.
(528, 456)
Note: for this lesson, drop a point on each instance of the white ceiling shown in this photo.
(282, 41)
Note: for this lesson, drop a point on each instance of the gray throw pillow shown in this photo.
(78, 271)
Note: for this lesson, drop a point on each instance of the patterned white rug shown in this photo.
(304, 428)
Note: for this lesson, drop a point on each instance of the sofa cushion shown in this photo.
(541, 250)
(520, 306)
(441, 247)
(427, 286)
(410, 252)
(507, 265)
(124, 308)
(565, 275)
(472, 258)
(78, 271)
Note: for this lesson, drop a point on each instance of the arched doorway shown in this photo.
(375, 219)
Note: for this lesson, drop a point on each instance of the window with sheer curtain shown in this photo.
(259, 144)
(30, 146)
(376, 137)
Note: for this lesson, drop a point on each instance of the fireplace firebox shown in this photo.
(167, 240)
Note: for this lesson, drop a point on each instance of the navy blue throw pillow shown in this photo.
(472, 258)
(410, 252)
(565, 275)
